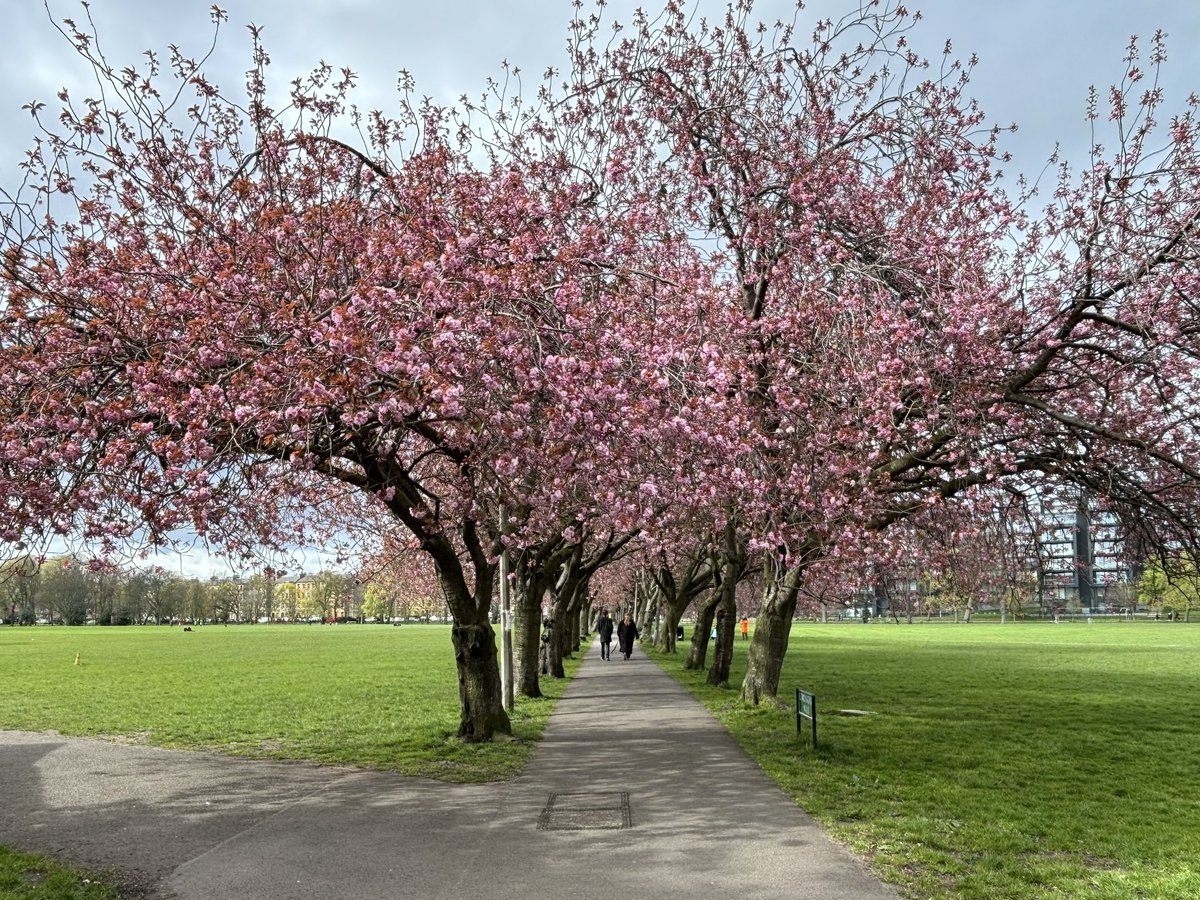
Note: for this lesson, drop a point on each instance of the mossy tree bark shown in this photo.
(529, 587)
(733, 566)
(475, 654)
(479, 687)
(772, 628)
(726, 615)
(706, 610)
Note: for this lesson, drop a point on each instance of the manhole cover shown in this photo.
(579, 810)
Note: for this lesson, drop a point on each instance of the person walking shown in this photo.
(604, 626)
(745, 629)
(627, 632)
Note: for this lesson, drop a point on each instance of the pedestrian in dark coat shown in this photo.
(626, 633)
(604, 626)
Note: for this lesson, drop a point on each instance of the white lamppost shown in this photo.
(506, 648)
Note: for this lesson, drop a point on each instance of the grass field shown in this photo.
(27, 876)
(998, 761)
(1014, 761)
(363, 695)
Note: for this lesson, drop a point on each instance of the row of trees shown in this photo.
(717, 302)
(1173, 590)
(66, 591)
(70, 591)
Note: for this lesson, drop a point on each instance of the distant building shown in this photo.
(1076, 557)
(292, 594)
(1081, 555)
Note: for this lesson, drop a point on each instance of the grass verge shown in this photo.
(25, 876)
(1016, 761)
(378, 697)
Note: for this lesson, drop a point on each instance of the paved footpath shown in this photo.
(635, 791)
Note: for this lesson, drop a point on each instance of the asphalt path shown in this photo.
(636, 790)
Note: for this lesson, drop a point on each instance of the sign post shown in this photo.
(806, 708)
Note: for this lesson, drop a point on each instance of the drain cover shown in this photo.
(579, 810)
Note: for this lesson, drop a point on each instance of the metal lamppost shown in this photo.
(506, 648)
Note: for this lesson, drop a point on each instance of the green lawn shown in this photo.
(1014, 761)
(362, 695)
(26, 876)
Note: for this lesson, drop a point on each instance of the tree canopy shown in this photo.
(744, 293)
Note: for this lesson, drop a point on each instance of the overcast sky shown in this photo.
(1036, 57)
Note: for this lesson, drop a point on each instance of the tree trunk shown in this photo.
(670, 625)
(675, 602)
(572, 635)
(529, 588)
(733, 565)
(771, 632)
(567, 594)
(718, 674)
(576, 618)
(479, 688)
(673, 608)
(648, 611)
(558, 641)
(705, 612)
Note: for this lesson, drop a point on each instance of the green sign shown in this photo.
(806, 708)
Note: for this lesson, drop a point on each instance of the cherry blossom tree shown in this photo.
(234, 319)
(678, 579)
(716, 280)
(399, 578)
(218, 316)
(912, 332)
